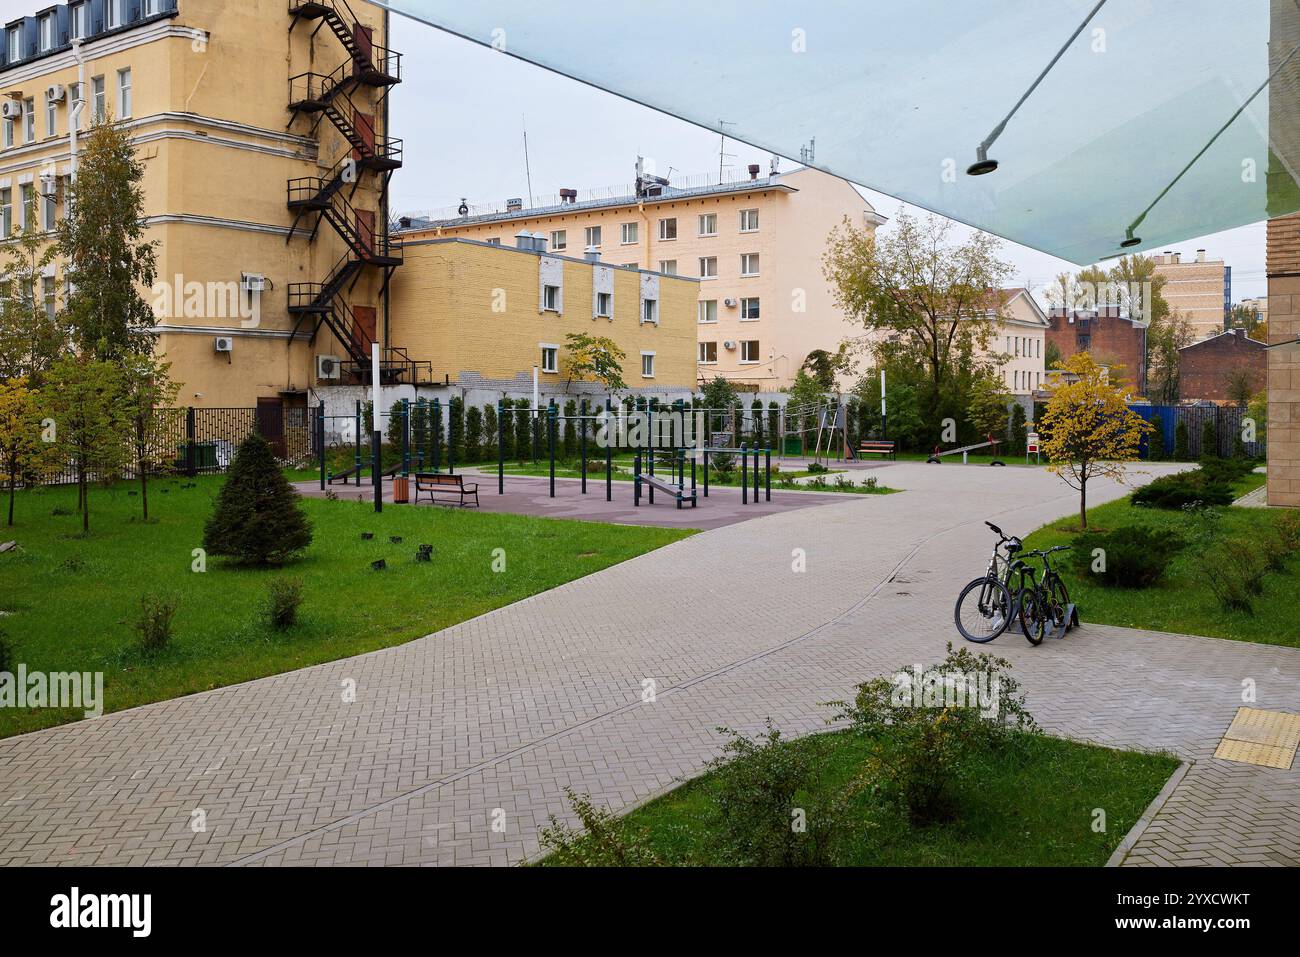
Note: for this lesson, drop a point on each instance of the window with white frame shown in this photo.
(708, 267)
(629, 233)
(708, 353)
(668, 267)
(124, 93)
(80, 25)
(550, 357)
(708, 224)
(48, 288)
(551, 298)
(76, 106)
(593, 236)
(604, 304)
(27, 205)
(749, 264)
(14, 44)
(97, 97)
(7, 212)
(668, 229)
(749, 220)
(647, 365)
(116, 9)
(151, 7)
(51, 115)
(650, 310)
(559, 239)
(8, 133)
(749, 351)
(47, 32)
(749, 310)
(708, 310)
(29, 120)
(494, 241)
(49, 204)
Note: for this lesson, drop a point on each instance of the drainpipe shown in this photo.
(78, 107)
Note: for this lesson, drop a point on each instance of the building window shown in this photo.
(49, 207)
(7, 212)
(647, 365)
(749, 220)
(97, 97)
(593, 236)
(124, 93)
(708, 224)
(668, 229)
(47, 32)
(494, 241)
(604, 304)
(650, 310)
(749, 309)
(708, 353)
(9, 133)
(629, 233)
(550, 358)
(51, 116)
(47, 292)
(80, 20)
(14, 44)
(708, 267)
(559, 239)
(151, 7)
(29, 119)
(551, 298)
(708, 310)
(749, 264)
(77, 106)
(668, 267)
(27, 203)
(749, 351)
(115, 18)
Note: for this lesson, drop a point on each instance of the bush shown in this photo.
(283, 598)
(1134, 556)
(922, 749)
(1183, 489)
(523, 430)
(1209, 439)
(6, 653)
(605, 841)
(155, 622)
(816, 468)
(1226, 471)
(1288, 531)
(1156, 444)
(456, 430)
(762, 803)
(723, 465)
(1235, 572)
(1182, 446)
(473, 434)
(570, 444)
(258, 519)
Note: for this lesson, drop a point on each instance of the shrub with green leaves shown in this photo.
(6, 652)
(605, 840)
(1156, 443)
(925, 727)
(155, 622)
(1183, 489)
(1182, 443)
(473, 434)
(258, 519)
(283, 598)
(1134, 556)
(1287, 524)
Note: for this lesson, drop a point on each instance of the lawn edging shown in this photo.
(1137, 830)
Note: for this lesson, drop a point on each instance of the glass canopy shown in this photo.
(1144, 119)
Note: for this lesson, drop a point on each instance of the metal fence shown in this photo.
(1227, 421)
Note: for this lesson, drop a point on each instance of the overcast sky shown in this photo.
(462, 111)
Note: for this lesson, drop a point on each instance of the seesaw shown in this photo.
(965, 450)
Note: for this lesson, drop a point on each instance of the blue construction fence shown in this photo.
(1228, 425)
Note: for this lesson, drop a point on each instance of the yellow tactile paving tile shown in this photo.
(1266, 738)
(1264, 755)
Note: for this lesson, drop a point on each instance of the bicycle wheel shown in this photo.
(1033, 620)
(983, 610)
(1060, 603)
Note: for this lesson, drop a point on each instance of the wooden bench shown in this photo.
(437, 483)
(878, 447)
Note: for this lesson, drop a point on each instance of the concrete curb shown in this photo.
(1135, 833)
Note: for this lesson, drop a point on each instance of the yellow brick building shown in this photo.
(245, 117)
(491, 313)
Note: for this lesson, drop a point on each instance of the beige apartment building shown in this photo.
(755, 245)
(1018, 341)
(1197, 289)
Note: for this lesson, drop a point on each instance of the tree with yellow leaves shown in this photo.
(23, 454)
(1089, 430)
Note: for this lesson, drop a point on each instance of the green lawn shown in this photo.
(73, 601)
(1028, 806)
(1182, 602)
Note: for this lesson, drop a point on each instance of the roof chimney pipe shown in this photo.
(753, 170)
(592, 254)
(524, 240)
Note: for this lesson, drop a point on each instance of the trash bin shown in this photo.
(793, 445)
(401, 489)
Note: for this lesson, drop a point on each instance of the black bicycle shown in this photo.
(989, 604)
(1045, 604)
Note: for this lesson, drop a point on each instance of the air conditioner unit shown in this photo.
(729, 303)
(12, 110)
(328, 367)
(56, 93)
(252, 282)
(224, 344)
(730, 344)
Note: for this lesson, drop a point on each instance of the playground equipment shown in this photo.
(675, 460)
(832, 426)
(965, 450)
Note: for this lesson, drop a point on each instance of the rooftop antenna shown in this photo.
(528, 172)
(722, 147)
(808, 154)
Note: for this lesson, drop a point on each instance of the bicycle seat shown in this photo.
(1014, 545)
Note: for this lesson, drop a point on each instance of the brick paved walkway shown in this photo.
(489, 720)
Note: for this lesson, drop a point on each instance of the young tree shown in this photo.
(85, 398)
(148, 397)
(395, 428)
(1164, 338)
(101, 241)
(257, 519)
(1019, 430)
(928, 297)
(593, 359)
(1090, 430)
(31, 336)
(456, 429)
(822, 366)
(1052, 358)
(490, 431)
(1156, 444)
(23, 454)
(1239, 386)
(569, 446)
(1182, 442)
(523, 430)
(473, 433)
(986, 406)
